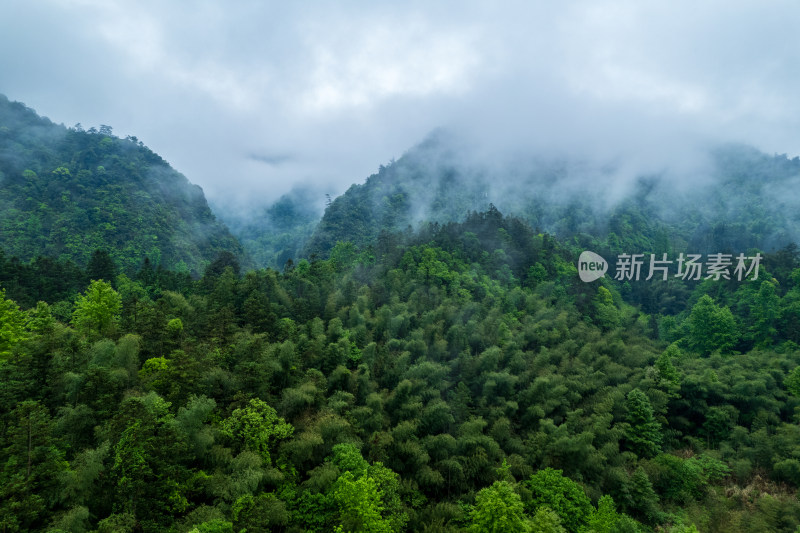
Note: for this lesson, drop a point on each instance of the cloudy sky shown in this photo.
(249, 98)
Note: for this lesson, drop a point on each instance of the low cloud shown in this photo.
(335, 91)
(273, 160)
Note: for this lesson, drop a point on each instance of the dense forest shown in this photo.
(430, 383)
(442, 373)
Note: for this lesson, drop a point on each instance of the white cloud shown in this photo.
(344, 87)
(360, 67)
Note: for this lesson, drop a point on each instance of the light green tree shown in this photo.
(175, 327)
(213, 526)
(257, 427)
(360, 505)
(388, 483)
(545, 520)
(74, 520)
(97, 311)
(606, 519)
(117, 523)
(40, 319)
(711, 327)
(550, 488)
(498, 509)
(606, 314)
(12, 325)
(691, 528)
(792, 382)
(348, 458)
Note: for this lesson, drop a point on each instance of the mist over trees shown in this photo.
(272, 235)
(67, 192)
(434, 363)
(729, 197)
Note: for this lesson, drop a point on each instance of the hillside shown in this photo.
(434, 383)
(66, 192)
(733, 198)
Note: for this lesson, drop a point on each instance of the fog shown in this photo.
(251, 99)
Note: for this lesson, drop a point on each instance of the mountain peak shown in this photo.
(68, 191)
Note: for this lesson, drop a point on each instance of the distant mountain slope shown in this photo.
(733, 197)
(426, 184)
(276, 233)
(66, 192)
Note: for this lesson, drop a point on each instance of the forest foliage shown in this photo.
(432, 382)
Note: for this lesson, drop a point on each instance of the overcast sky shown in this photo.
(248, 98)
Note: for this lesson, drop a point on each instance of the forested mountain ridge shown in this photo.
(66, 192)
(732, 198)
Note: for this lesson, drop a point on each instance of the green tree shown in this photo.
(253, 513)
(148, 462)
(98, 310)
(550, 488)
(792, 382)
(764, 314)
(256, 427)
(360, 505)
(30, 469)
(719, 422)
(545, 520)
(606, 314)
(643, 433)
(117, 523)
(498, 509)
(12, 325)
(216, 525)
(666, 370)
(606, 519)
(101, 266)
(86, 479)
(644, 501)
(711, 327)
(75, 520)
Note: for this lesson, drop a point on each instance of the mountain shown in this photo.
(459, 377)
(732, 197)
(66, 192)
